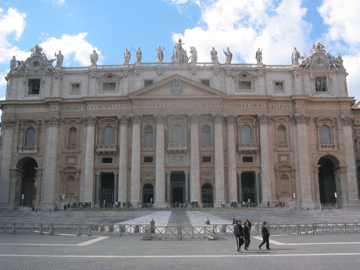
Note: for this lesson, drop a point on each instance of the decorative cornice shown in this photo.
(265, 118)
(300, 119)
(347, 120)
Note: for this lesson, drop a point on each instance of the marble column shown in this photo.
(97, 188)
(219, 160)
(187, 186)
(123, 159)
(257, 186)
(39, 176)
(352, 187)
(89, 159)
(7, 143)
(301, 121)
(265, 120)
(16, 176)
(116, 186)
(231, 158)
(160, 162)
(50, 171)
(195, 160)
(240, 198)
(135, 161)
(168, 191)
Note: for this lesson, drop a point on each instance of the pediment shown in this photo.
(176, 86)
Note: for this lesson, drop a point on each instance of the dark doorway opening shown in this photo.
(148, 193)
(207, 193)
(177, 188)
(327, 184)
(29, 183)
(107, 189)
(248, 190)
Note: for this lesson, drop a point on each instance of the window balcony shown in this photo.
(28, 150)
(327, 147)
(106, 149)
(207, 146)
(177, 148)
(248, 148)
(149, 147)
(283, 146)
(72, 149)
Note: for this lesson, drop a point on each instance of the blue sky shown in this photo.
(76, 27)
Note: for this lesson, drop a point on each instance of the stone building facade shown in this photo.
(178, 132)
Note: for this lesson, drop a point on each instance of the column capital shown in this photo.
(231, 118)
(265, 118)
(346, 120)
(194, 118)
(239, 172)
(218, 117)
(136, 118)
(124, 119)
(160, 118)
(300, 118)
(89, 120)
(168, 172)
(186, 172)
(53, 121)
(8, 123)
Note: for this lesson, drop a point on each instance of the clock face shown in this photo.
(319, 60)
(35, 63)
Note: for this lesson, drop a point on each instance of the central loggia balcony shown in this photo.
(248, 148)
(106, 149)
(177, 147)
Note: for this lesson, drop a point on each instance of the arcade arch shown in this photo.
(26, 184)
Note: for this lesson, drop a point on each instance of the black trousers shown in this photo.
(265, 240)
(247, 242)
(239, 242)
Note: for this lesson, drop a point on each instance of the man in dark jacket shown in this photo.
(247, 234)
(265, 235)
(239, 235)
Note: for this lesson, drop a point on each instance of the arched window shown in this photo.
(282, 135)
(246, 136)
(72, 138)
(109, 136)
(325, 135)
(177, 134)
(206, 135)
(30, 137)
(149, 135)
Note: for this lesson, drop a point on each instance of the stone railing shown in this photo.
(72, 149)
(105, 149)
(27, 150)
(327, 147)
(248, 147)
(177, 147)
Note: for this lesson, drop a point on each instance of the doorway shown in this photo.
(177, 187)
(29, 182)
(107, 189)
(327, 183)
(247, 187)
(148, 193)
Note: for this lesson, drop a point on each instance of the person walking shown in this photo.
(239, 235)
(247, 234)
(265, 235)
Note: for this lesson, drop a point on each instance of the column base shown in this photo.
(352, 203)
(159, 205)
(47, 206)
(308, 205)
(136, 204)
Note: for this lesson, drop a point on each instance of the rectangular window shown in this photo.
(34, 87)
(148, 159)
(245, 85)
(148, 82)
(206, 159)
(320, 84)
(107, 160)
(248, 159)
(357, 121)
(205, 82)
(149, 138)
(75, 88)
(206, 137)
(109, 86)
(279, 86)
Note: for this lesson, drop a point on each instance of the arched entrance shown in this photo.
(28, 185)
(148, 193)
(328, 180)
(207, 193)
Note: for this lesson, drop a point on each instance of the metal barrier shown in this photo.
(176, 232)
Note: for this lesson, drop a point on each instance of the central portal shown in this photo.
(177, 187)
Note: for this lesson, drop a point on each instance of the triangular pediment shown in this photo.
(176, 86)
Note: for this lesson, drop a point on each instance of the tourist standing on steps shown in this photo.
(239, 235)
(247, 235)
(265, 235)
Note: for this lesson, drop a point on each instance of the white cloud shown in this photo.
(58, 2)
(69, 45)
(247, 25)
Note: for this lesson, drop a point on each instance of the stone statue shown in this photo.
(138, 55)
(94, 57)
(258, 56)
(13, 63)
(228, 56)
(179, 54)
(295, 57)
(59, 59)
(193, 54)
(127, 56)
(214, 57)
(159, 54)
